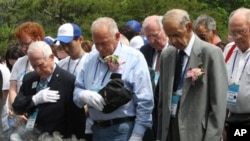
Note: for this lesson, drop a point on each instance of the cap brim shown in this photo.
(64, 39)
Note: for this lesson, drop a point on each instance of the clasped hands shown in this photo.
(93, 99)
(46, 96)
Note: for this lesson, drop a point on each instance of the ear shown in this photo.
(214, 32)
(117, 36)
(51, 56)
(189, 26)
(81, 39)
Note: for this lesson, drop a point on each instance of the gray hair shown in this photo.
(205, 20)
(242, 11)
(176, 14)
(147, 21)
(105, 22)
(40, 46)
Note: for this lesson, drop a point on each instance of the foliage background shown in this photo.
(52, 13)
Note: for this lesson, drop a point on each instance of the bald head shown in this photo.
(153, 21)
(242, 13)
(239, 28)
(178, 15)
(153, 30)
(178, 27)
(105, 22)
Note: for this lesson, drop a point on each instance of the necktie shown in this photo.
(157, 66)
(178, 69)
(42, 84)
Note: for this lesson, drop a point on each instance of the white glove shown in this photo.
(15, 137)
(93, 99)
(135, 137)
(46, 95)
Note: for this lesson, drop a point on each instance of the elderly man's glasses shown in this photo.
(240, 32)
(154, 36)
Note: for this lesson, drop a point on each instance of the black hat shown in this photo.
(115, 94)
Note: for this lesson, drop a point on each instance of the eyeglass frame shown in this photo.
(238, 32)
(155, 36)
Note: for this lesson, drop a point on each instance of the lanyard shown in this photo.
(75, 65)
(96, 68)
(243, 66)
(26, 67)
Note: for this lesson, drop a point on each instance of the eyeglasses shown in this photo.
(239, 32)
(154, 36)
(202, 37)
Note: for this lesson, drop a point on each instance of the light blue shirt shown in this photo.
(135, 74)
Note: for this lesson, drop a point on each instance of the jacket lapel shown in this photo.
(194, 61)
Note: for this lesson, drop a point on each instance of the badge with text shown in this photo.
(232, 94)
(157, 75)
(174, 105)
(31, 121)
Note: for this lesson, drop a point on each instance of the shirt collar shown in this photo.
(117, 52)
(189, 47)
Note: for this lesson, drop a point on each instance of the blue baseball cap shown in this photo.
(135, 25)
(49, 40)
(67, 32)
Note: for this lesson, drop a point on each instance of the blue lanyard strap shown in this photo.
(180, 83)
(243, 66)
(96, 68)
(75, 65)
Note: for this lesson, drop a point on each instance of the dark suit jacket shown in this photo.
(63, 116)
(148, 52)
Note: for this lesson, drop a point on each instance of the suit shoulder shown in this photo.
(65, 74)
(168, 50)
(29, 76)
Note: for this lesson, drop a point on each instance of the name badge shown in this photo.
(232, 94)
(174, 105)
(31, 121)
(157, 75)
(34, 85)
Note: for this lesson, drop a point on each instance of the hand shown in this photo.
(93, 99)
(45, 96)
(135, 137)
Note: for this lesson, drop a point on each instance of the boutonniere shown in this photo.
(195, 73)
(113, 62)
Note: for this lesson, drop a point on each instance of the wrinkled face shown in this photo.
(178, 35)
(42, 66)
(104, 41)
(239, 32)
(73, 48)
(204, 34)
(24, 42)
(156, 37)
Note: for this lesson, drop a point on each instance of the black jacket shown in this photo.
(63, 116)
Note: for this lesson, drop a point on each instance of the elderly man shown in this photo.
(192, 84)
(130, 120)
(237, 62)
(46, 95)
(158, 40)
(205, 27)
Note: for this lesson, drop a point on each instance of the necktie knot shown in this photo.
(181, 53)
(42, 84)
